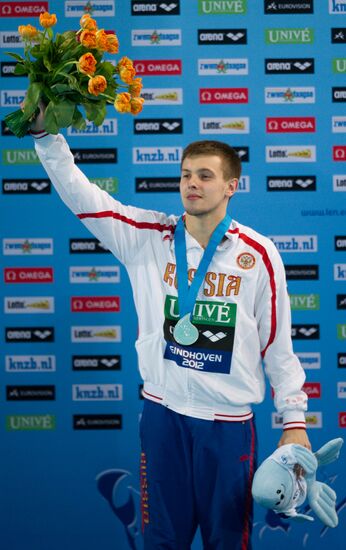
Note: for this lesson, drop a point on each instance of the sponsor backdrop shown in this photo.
(268, 77)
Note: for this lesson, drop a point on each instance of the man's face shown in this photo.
(203, 188)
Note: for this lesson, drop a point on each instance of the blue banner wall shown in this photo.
(266, 76)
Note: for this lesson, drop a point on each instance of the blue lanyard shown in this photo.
(187, 294)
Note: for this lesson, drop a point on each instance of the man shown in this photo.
(212, 304)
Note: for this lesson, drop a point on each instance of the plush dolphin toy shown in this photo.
(288, 476)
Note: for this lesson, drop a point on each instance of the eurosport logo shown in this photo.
(339, 182)
(339, 272)
(155, 7)
(290, 66)
(302, 272)
(224, 125)
(223, 95)
(289, 96)
(214, 7)
(157, 67)
(337, 7)
(96, 362)
(97, 422)
(339, 94)
(295, 243)
(30, 393)
(19, 156)
(290, 153)
(309, 360)
(22, 9)
(341, 390)
(109, 127)
(95, 156)
(341, 301)
(7, 69)
(211, 37)
(96, 334)
(95, 304)
(156, 37)
(339, 65)
(28, 275)
(341, 360)
(305, 302)
(339, 153)
(312, 389)
(340, 243)
(289, 7)
(30, 422)
(87, 246)
(162, 96)
(94, 274)
(244, 184)
(305, 332)
(156, 155)
(27, 246)
(339, 124)
(290, 124)
(10, 39)
(291, 183)
(30, 363)
(158, 126)
(96, 8)
(157, 185)
(223, 67)
(29, 334)
(97, 392)
(312, 419)
(289, 36)
(338, 35)
(11, 98)
(28, 304)
(26, 186)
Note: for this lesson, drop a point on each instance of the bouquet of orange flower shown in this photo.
(68, 74)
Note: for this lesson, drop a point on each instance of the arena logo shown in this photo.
(211, 37)
(341, 360)
(109, 127)
(223, 125)
(86, 304)
(109, 184)
(339, 272)
(289, 7)
(295, 243)
(97, 422)
(290, 124)
(157, 185)
(22, 9)
(30, 363)
(338, 35)
(312, 389)
(28, 275)
(96, 8)
(340, 243)
(29, 334)
(30, 422)
(339, 124)
(159, 37)
(27, 246)
(302, 272)
(341, 390)
(339, 94)
(95, 156)
(95, 334)
(10, 39)
(341, 301)
(29, 304)
(305, 332)
(289, 36)
(337, 7)
(156, 155)
(30, 393)
(26, 187)
(155, 7)
(312, 419)
(223, 95)
(309, 360)
(162, 96)
(305, 302)
(341, 332)
(19, 156)
(96, 362)
(290, 153)
(244, 184)
(290, 96)
(222, 7)
(339, 153)
(87, 246)
(339, 65)
(157, 67)
(91, 274)
(223, 67)
(339, 182)
(97, 392)
(291, 183)
(8, 69)
(302, 65)
(158, 126)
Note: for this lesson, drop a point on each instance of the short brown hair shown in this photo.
(230, 159)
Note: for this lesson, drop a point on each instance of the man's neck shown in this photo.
(202, 227)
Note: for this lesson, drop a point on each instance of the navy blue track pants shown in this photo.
(195, 473)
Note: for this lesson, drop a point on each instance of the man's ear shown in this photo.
(232, 186)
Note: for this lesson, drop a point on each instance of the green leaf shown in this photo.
(20, 69)
(32, 98)
(106, 69)
(101, 113)
(36, 52)
(91, 109)
(60, 88)
(64, 112)
(78, 121)
(50, 119)
(15, 56)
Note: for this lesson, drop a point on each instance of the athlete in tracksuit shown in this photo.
(197, 429)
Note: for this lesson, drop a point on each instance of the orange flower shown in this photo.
(97, 85)
(88, 23)
(47, 19)
(126, 70)
(125, 62)
(28, 32)
(135, 87)
(136, 105)
(112, 43)
(88, 39)
(87, 64)
(122, 103)
(101, 40)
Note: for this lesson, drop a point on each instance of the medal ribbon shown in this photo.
(187, 294)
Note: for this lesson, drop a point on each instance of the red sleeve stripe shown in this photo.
(260, 248)
(134, 223)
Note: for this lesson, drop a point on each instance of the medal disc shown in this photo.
(185, 332)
